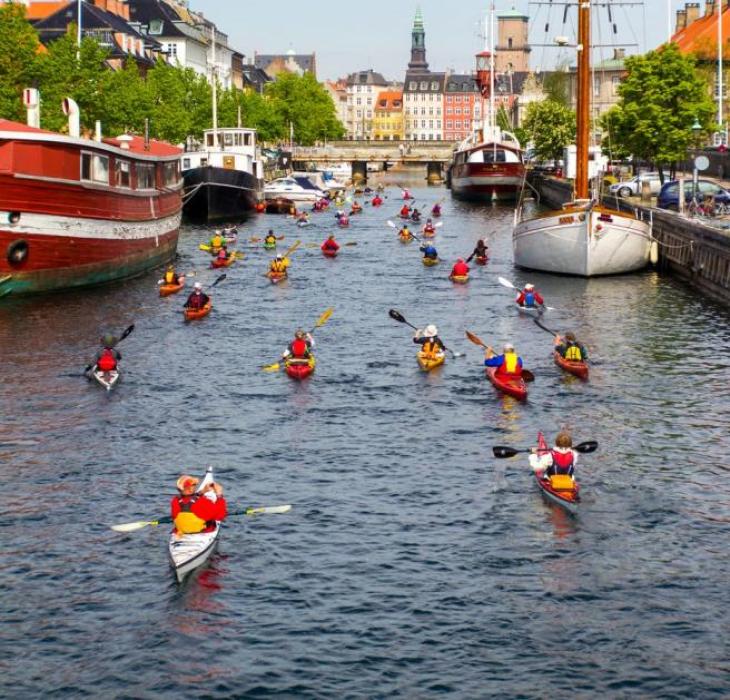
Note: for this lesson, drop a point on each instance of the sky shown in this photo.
(348, 37)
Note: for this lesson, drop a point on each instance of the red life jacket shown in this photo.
(107, 361)
(299, 348)
(562, 461)
(460, 269)
(405, 211)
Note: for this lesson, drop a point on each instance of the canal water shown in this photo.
(413, 563)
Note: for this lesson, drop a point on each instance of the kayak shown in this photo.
(512, 386)
(343, 224)
(428, 262)
(106, 379)
(429, 234)
(269, 246)
(529, 310)
(428, 361)
(481, 259)
(298, 369)
(577, 367)
(303, 224)
(405, 239)
(459, 279)
(192, 314)
(217, 262)
(569, 497)
(276, 277)
(329, 253)
(167, 289)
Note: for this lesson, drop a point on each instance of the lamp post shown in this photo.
(696, 129)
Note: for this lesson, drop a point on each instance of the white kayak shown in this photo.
(188, 552)
(530, 310)
(107, 379)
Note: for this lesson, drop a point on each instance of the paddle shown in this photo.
(276, 366)
(397, 316)
(220, 279)
(255, 239)
(545, 328)
(413, 235)
(501, 451)
(526, 374)
(291, 249)
(127, 331)
(509, 285)
(139, 524)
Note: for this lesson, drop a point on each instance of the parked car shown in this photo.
(668, 197)
(633, 186)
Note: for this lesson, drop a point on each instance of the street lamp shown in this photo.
(696, 129)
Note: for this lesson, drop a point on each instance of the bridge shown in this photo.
(433, 154)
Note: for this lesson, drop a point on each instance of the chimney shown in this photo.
(71, 110)
(710, 8)
(681, 20)
(97, 131)
(32, 102)
(619, 54)
(693, 11)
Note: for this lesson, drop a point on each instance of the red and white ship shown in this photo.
(488, 164)
(80, 211)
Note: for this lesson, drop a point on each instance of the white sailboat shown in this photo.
(583, 238)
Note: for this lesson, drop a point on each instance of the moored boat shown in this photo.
(564, 491)
(575, 367)
(194, 314)
(512, 386)
(300, 369)
(428, 361)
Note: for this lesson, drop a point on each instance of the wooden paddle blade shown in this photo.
(505, 283)
(527, 375)
(501, 451)
(397, 316)
(272, 368)
(131, 527)
(291, 249)
(587, 446)
(475, 339)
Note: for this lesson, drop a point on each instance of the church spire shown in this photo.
(418, 44)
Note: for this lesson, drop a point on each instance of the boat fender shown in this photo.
(654, 252)
(13, 217)
(17, 252)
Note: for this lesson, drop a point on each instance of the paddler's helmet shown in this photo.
(428, 221)
(279, 257)
(108, 340)
(197, 286)
(299, 333)
(430, 331)
(271, 232)
(186, 484)
(508, 347)
(529, 287)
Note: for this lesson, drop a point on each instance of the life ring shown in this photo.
(17, 252)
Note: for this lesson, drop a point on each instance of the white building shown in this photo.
(363, 89)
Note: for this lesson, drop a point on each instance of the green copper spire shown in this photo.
(418, 21)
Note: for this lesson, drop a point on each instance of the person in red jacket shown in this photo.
(192, 511)
(197, 300)
(330, 245)
(460, 269)
(107, 358)
(300, 349)
(405, 211)
(530, 297)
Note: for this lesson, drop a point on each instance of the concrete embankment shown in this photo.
(689, 248)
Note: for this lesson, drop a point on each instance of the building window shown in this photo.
(156, 26)
(509, 42)
(448, 98)
(122, 173)
(412, 85)
(449, 110)
(172, 50)
(424, 85)
(616, 81)
(458, 110)
(434, 86)
(430, 123)
(596, 87)
(458, 98)
(423, 123)
(449, 124)
(359, 100)
(171, 173)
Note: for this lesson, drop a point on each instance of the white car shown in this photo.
(633, 186)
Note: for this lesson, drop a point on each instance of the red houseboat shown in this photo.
(80, 211)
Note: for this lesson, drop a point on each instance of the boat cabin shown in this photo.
(228, 148)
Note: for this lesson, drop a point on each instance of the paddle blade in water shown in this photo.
(391, 224)
(587, 446)
(527, 375)
(220, 279)
(271, 368)
(323, 318)
(505, 283)
(501, 451)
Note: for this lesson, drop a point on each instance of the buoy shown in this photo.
(654, 252)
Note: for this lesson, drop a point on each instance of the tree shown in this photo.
(18, 54)
(550, 126)
(257, 112)
(128, 100)
(659, 100)
(557, 85)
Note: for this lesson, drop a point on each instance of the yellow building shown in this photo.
(388, 116)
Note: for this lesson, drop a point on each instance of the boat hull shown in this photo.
(583, 242)
(427, 361)
(574, 367)
(219, 194)
(108, 380)
(300, 370)
(512, 386)
(189, 552)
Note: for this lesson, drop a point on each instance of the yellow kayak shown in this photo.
(459, 279)
(428, 262)
(428, 361)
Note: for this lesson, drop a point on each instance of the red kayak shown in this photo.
(577, 367)
(568, 498)
(512, 386)
(300, 369)
(481, 259)
(329, 252)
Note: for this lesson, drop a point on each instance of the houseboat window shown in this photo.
(95, 168)
(203, 162)
(170, 171)
(228, 139)
(209, 139)
(145, 176)
(238, 139)
(121, 173)
(186, 163)
(247, 139)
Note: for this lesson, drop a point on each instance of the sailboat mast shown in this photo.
(584, 99)
(491, 74)
(214, 76)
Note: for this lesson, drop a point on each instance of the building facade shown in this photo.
(388, 121)
(290, 62)
(337, 90)
(462, 105)
(362, 92)
(512, 52)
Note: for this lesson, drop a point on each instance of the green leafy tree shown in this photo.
(550, 126)
(659, 100)
(128, 100)
(257, 112)
(18, 59)
(557, 86)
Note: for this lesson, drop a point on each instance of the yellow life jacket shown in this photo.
(572, 352)
(170, 277)
(278, 266)
(216, 242)
(431, 348)
(510, 362)
(270, 239)
(186, 521)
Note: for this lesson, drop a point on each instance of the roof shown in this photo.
(610, 64)
(393, 100)
(7, 125)
(512, 14)
(159, 17)
(304, 60)
(366, 77)
(695, 37)
(424, 82)
(461, 83)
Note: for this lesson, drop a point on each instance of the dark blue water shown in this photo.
(413, 564)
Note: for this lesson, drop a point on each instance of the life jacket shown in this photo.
(107, 361)
(299, 348)
(270, 239)
(562, 461)
(431, 347)
(170, 277)
(572, 352)
(509, 364)
(405, 211)
(222, 254)
(186, 521)
(428, 229)
(278, 266)
(529, 299)
(216, 242)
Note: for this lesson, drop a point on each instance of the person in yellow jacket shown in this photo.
(279, 264)
(570, 348)
(216, 242)
(197, 511)
(428, 338)
(171, 277)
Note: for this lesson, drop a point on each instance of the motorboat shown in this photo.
(295, 188)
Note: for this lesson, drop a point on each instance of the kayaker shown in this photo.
(508, 364)
(570, 348)
(429, 340)
(301, 347)
(197, 512)
(405, 233)
(317, 206)
(279, 264)
(260, 207)
(270, 239)
(343, 220)
(405, 211)
(376, 201)
(356, 207)
(216, 241)
(407, 194)
(460, 269)
(171, 277)
(436, 210)
(197, 300)
(330, 244)
(429, 251)
(560, 459)
(223, 254)
(529, 297)
(415, 215)
(480, 251)
(107, 358)
(429, 228)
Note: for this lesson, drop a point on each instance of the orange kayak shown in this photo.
(192, 314)
(276, 277)
(217, 262)
(575, 367)
(167, 289)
